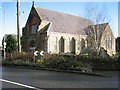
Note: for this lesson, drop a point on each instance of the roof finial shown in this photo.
(33, 3)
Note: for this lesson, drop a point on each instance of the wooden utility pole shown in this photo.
(18, 25)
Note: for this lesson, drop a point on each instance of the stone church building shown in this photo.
(57, 33)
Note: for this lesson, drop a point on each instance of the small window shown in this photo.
(33, 29)
(109, 42)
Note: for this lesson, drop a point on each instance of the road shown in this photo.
(50, 79)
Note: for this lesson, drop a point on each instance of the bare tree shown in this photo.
(94, 32)
(96, 14)
(94, 36)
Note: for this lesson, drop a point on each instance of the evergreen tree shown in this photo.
(11, 44)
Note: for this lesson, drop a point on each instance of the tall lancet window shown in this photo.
(78, 45)
(33, 24)
(110, 41)
(33, 29)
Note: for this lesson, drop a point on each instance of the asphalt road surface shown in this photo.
(19, 77)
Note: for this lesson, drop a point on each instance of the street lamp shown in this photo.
(4, 43)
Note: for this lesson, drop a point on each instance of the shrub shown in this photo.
(20, 55)
(83, 63)
(99, 63)
(47, 56)
(65, 63)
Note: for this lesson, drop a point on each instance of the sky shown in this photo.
(8, 20)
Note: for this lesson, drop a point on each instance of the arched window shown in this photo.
(32, 46)
(73, 46)
(62, 44)
(33, 29)
(78, 45)
(32, 43)
(109, 42)
(82, 44)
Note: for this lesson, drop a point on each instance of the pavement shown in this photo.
(19, 77)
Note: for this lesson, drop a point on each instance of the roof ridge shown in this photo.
(102, 23)
(62, 12)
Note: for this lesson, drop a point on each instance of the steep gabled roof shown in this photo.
(63, 23)
(98, 27)
(101, 26)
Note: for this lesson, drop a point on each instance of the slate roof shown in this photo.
(63, 23)
(101, 27)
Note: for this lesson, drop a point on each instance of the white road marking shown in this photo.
(23, 85)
